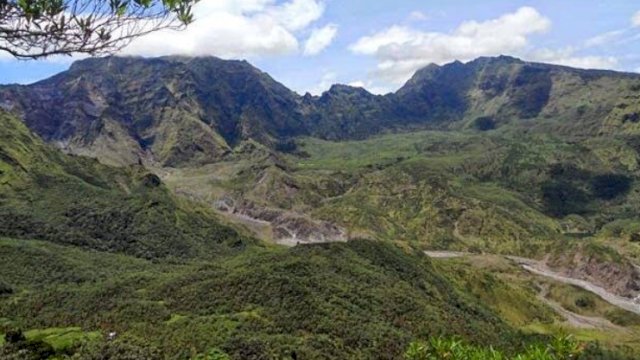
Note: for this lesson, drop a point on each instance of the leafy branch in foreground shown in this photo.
(31, 29)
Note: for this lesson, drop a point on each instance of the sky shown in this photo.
(308, 45)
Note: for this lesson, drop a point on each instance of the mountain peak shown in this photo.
(501, 59)
(341, 89)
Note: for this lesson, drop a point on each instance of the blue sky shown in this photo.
(310, 44)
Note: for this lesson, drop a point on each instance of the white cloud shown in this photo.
(589, 62)
(635, 19)
(418, 16)
(604, 39)
(395, 35)
(297, 14)
(320, 39)
(371, 87)
(358, 83)
(235, 28)
(401, 50)
(568, 57)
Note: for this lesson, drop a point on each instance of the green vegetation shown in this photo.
(561, 348)
(62, 339)
(325, 301)
(585, 303)
(501, 286)
(75, 200)
(484, 123)
(163, 258)
(495, 192)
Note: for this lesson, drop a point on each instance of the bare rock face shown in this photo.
(287, 227)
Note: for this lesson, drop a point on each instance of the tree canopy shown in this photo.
(32, 29)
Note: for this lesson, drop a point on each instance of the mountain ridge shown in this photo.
(180, 111)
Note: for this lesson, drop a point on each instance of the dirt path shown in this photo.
(576, 320)
(536, 267)
(445, 254)
(621, 302)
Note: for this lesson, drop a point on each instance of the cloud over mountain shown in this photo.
(320, 39)
(242, 28)
(401, 50)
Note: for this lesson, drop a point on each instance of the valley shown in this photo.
(196, 206)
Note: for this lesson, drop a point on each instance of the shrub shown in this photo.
(18, 347)
(5, 289)
(286, 146)
(633, 117)
(214, 354)
(151, 181)
(14, 337)
(484, 123)
(116, 350)
(584, 302)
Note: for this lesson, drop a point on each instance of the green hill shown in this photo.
(75, 200)
(343, 300)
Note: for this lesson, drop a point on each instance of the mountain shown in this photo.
(173, 253)
(227, 135)
(169, 110)
(177, 111)
(489, 92)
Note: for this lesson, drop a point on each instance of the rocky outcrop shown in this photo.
(287, 227)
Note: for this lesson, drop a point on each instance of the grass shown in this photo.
(62, 339)
(502, 286)
(115, 250)
(458, 190)
(623, 341)
(378, 151)
(463, 190)
(442, 348)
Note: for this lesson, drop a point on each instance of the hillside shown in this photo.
(321, 302)
(168, 110)
(75, 200)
